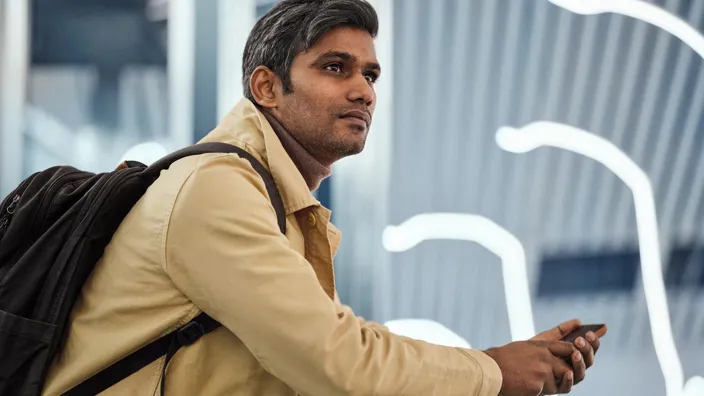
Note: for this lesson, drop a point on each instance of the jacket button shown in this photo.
(311, 219)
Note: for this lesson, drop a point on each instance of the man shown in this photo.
(205, 238)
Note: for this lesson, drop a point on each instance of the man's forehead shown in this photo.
(356, 42)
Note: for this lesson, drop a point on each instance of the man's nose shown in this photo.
(361, 90)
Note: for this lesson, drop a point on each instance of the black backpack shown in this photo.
(54, 228)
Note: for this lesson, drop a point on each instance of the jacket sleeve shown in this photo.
(223, 249)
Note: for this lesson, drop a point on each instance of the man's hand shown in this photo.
(587, 348)
(534, 367)
(539, 366)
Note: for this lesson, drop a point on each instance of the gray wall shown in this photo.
(463, 68)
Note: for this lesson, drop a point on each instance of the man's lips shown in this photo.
(359, 115)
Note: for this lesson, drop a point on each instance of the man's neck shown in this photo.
(312, 170)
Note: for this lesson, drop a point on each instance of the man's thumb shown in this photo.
(559, 331)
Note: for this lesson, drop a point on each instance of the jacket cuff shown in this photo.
(492, 379)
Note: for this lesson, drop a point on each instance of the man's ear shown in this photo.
(263, 86)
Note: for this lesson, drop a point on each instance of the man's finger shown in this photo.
(566, 384)
(560, 367)
(595, 340)
(550, 387)
(558, 332)
(560, 370)
(586, 349)
(579, 367)
(561, 349)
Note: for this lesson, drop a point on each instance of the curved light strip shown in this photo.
(146, 153)
(694, 387)
(426, 330)
(543, 133)
(642, 10)
(473, 228)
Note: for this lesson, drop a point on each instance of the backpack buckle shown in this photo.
(190, 333)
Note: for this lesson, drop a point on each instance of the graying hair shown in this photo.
(294, 26)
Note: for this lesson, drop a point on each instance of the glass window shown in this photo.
(96, 84)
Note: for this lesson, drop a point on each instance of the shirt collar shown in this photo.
(247, 127)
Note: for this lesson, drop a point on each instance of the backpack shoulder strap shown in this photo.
(201, 325)
(216, 147)
(167, 346)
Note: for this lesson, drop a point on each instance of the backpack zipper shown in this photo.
(13, 205)
(5, 269)
(7, 215)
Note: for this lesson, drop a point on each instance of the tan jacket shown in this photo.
(204, 237)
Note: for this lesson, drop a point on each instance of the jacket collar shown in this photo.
(247, 127)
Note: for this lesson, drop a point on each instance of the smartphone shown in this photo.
(581, 331)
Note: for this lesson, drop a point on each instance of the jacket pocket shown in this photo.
(24, 353)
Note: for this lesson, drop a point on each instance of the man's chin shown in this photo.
(348, 149)
(351, 150)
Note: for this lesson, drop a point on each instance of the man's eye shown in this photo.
(335, 68)
(371, 77)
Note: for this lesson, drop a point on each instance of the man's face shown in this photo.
(330, 109)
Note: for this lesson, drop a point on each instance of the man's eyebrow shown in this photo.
(373, 66)
(345, 56)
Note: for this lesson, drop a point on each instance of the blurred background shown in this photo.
(83, 81)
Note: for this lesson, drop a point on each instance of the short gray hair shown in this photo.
(294, 26)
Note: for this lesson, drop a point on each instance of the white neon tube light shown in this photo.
(146, 153)
(483, 231)
(694, 387)
(426, 330)
(642, 10)
(543, 133)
